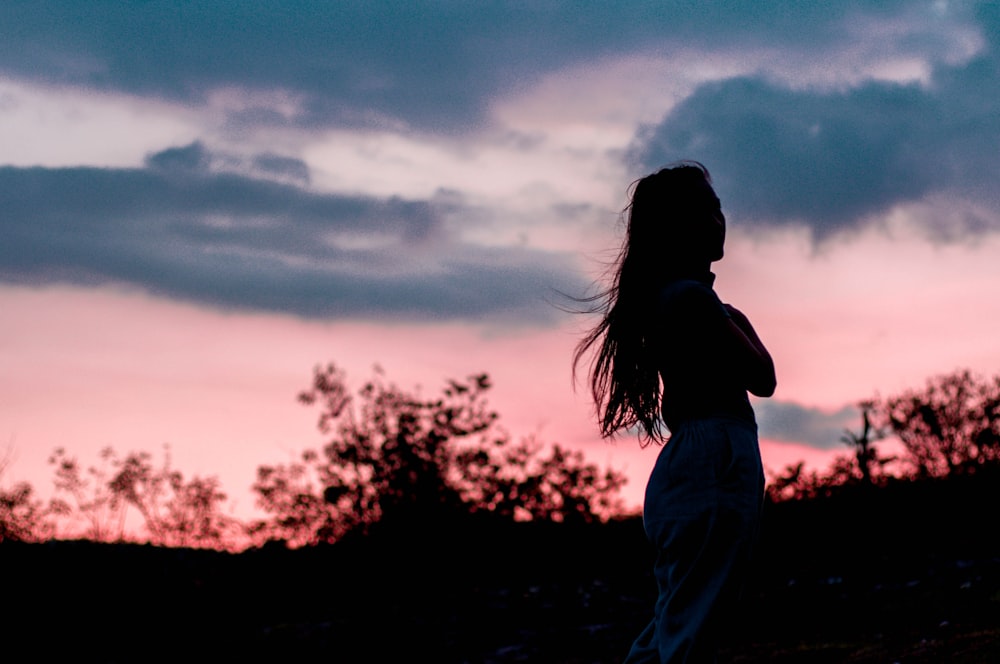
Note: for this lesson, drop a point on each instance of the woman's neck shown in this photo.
(700, 271)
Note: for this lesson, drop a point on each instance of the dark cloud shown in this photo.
(193, 157)
(183, 229)
(284, 167)
(834, 160)
(426, 64)
(794, 423)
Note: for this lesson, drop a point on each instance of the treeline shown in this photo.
(394, 457)
(950, 428)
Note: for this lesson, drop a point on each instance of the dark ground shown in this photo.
(909, 575)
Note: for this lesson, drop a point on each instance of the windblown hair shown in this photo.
(660, 228)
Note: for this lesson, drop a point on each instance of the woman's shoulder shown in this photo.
(686, 290)
(689, 297)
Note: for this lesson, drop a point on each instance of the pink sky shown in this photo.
(188, 231)
(87, 368)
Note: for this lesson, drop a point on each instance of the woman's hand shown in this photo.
(756, 361)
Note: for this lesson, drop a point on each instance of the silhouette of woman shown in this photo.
(667, 351)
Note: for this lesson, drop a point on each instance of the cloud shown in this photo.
(430, 65)
(186, 228)
(791, 422)
(835, 160)
(191, 157)
(249, 232)
(275, 165)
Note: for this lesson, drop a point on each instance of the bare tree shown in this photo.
(863, 444)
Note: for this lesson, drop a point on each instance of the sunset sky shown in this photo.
(201, 201)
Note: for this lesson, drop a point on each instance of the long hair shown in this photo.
(624, 380)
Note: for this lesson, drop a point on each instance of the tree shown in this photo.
(522, 483)
(22, 516)
(869, 463)
(93, 502)
(866, 467)
(174, 511)
(396, 457)
(797, 483)
(951, 427)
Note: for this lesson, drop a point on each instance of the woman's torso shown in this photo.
(694, 356)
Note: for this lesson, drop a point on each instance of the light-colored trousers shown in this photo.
(701, 512)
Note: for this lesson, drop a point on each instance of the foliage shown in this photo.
(796, 483)
(866, 467)
(950, 427)
(22, 516)
(394, 456)
(868, 462)
(173, 511)
(520, 482)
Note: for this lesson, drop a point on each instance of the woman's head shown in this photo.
(675, 228)
(675, 219)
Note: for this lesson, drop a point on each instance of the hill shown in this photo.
(907, 573)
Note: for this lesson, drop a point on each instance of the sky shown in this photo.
(200, 202)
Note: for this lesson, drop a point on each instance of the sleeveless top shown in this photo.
(695, 357)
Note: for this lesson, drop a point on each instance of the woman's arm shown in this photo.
(756, 363)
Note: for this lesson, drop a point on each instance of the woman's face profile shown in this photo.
(710, 223)
(718, 231)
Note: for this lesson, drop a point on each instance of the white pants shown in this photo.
(701, 512)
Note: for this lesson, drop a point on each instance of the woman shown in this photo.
(669, 352)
